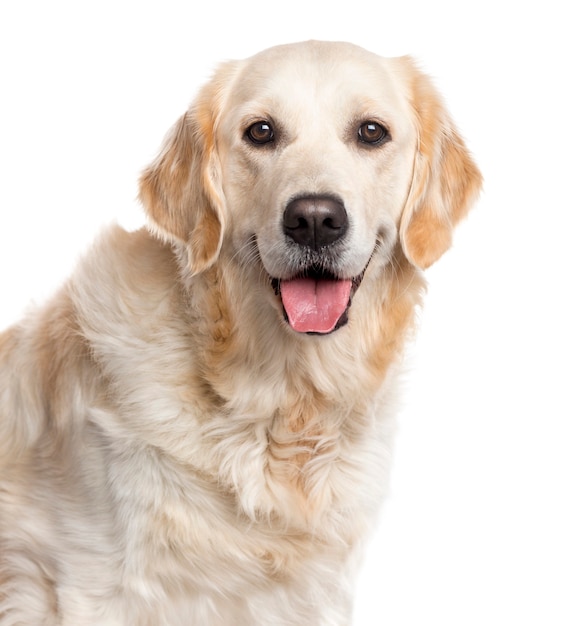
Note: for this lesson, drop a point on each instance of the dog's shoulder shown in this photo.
(51, 361)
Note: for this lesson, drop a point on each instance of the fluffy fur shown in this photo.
(171, 451)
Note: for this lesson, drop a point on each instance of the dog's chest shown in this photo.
(200, 540)
(267, 504)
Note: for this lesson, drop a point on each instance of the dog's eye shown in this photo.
(260, 133)
(373, 133)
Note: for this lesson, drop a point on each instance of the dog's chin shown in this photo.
(316, 302)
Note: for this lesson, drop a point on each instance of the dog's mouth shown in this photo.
(316, 301)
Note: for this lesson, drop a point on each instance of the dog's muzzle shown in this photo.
(315, 300)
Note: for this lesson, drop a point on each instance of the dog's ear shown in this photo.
(445, 180)
(181, 190)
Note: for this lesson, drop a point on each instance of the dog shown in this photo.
(196, 428)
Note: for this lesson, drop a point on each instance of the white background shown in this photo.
(476, 530)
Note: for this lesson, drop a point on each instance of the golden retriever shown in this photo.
(196, 428)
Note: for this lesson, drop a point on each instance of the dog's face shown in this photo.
(311, 160)
(317, 149)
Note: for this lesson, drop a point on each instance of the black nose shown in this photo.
(315, 221)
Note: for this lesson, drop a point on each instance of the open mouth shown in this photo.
(316, 301)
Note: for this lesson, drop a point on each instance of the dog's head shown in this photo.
(311, 160)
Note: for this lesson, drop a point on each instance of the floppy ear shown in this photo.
(445, 181)
(181, 189)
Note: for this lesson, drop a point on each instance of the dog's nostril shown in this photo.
(315, 221)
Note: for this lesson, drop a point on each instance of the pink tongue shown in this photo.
(315, 305)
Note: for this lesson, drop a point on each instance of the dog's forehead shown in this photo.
(336, 74)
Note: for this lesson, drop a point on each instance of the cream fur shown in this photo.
(171, 452)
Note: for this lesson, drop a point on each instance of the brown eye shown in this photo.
(373, 133)
(260, 133)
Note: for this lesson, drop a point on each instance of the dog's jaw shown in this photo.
(316, 303)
